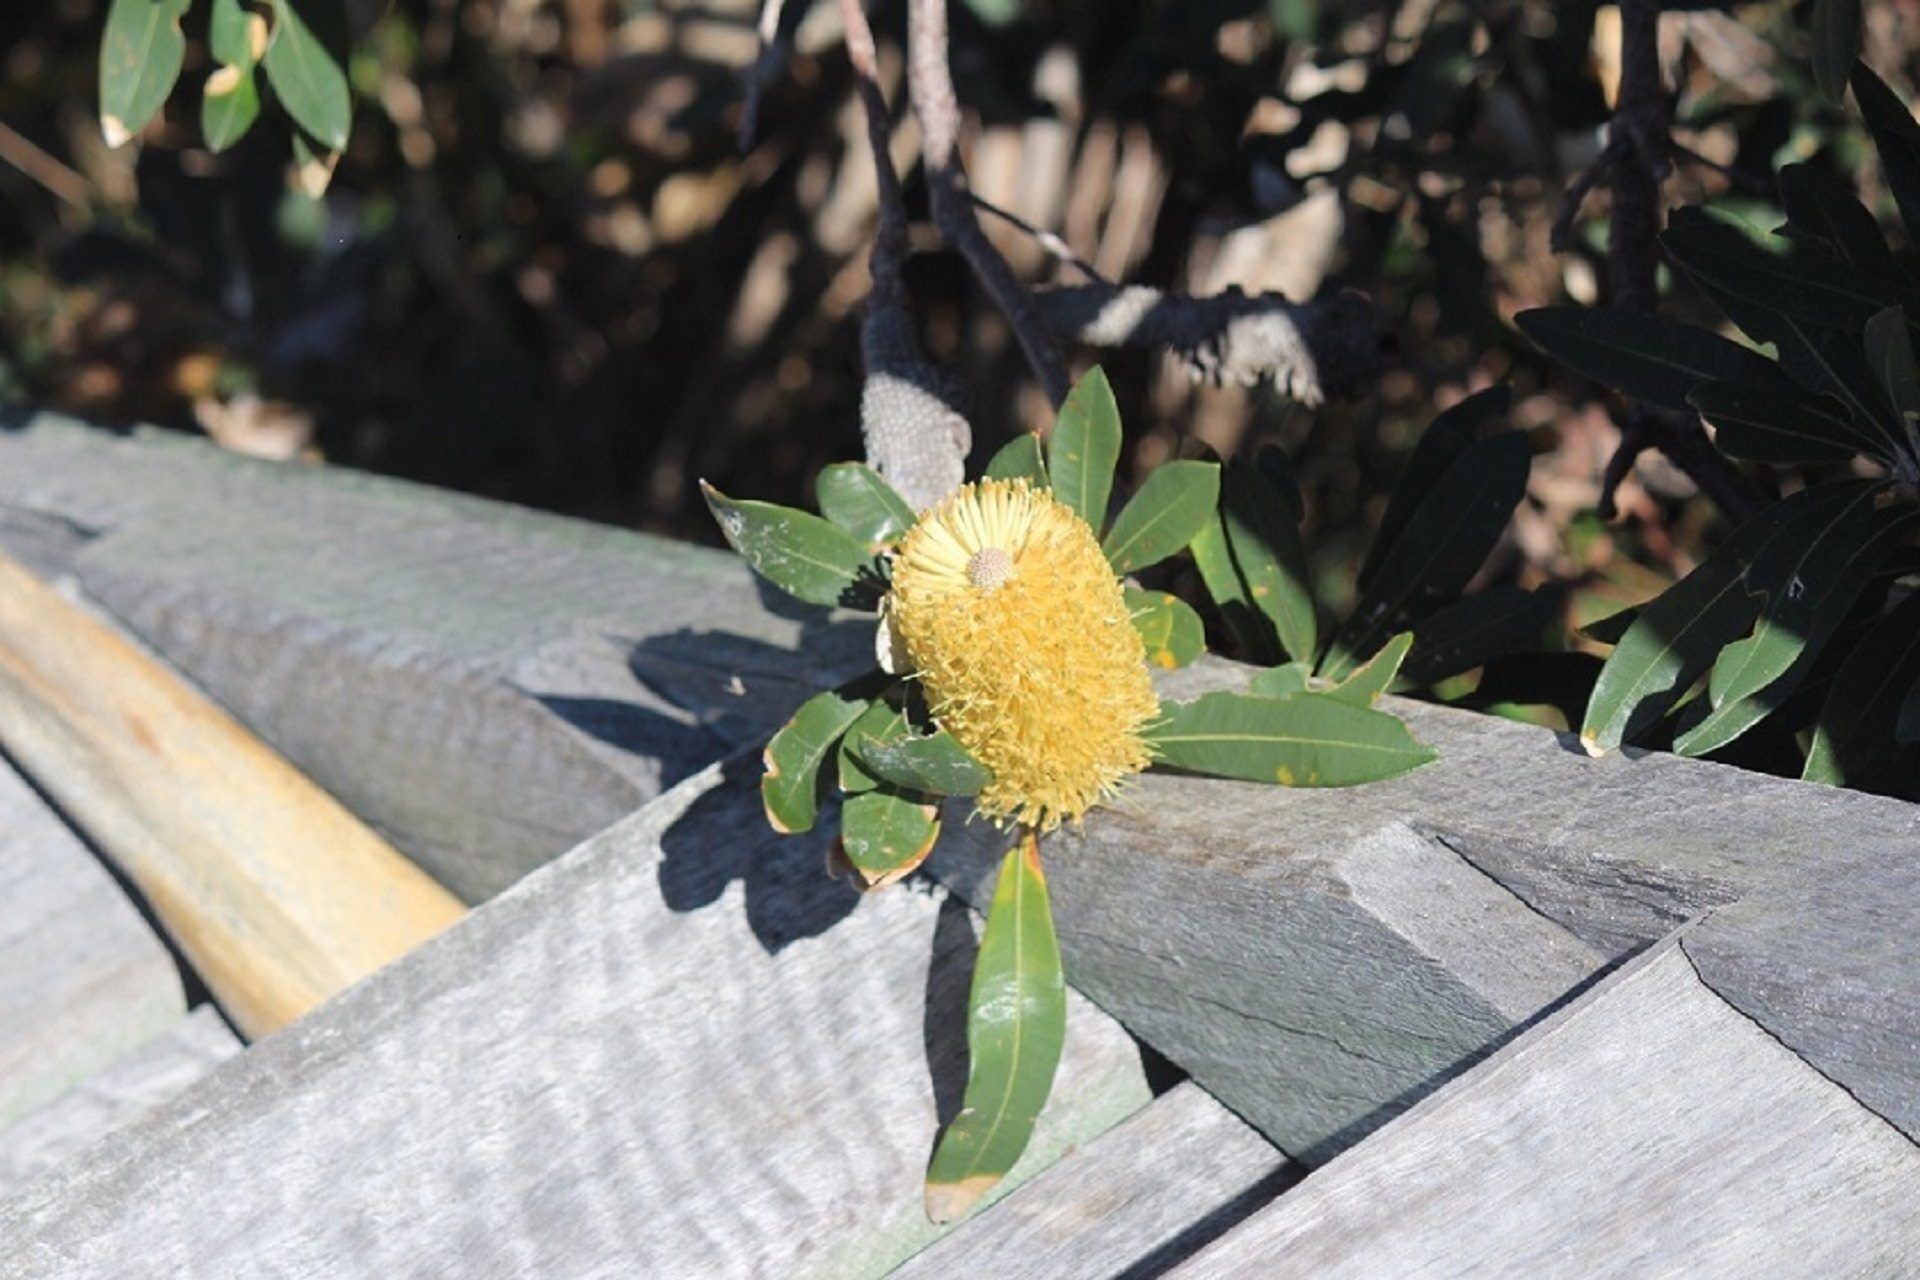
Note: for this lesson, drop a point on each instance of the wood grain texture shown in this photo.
(50, 1135)
(679, 1050)
(277, 895)
(1649, 1128)
(86, 980)
(1160, 1185)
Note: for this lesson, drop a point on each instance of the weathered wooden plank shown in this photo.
(488, 684)
(1160, 1185)
(55, 1132)
(1649, 1128)
(680, 1049)
(86, 980)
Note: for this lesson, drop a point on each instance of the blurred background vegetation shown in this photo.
(544, 270)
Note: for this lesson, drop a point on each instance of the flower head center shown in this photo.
(989, 567)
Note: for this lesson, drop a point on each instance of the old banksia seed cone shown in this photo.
(1015, 624)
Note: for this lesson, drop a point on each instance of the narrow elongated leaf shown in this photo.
(1446, 438)
(1375, 676)
(803, 555)
(1808, 286)
(306, 63)
(1282, 681)
(855, 498)
(879, 724)
(141, 51)
(1085, 447)
(935, 764)
(1836, 42)
(886, 834)
(1163, 516)
(791, 786)
(1445, 543)
(1252, 632)
(1855, 742)
(1474, 631)
(1896, 137)
(1273, 463)
(1307, 740)
(1170, 630)
(1643, 356)
(1020, 459)
(1519, 684)
(1764, 425)
(1890, 350)
(1610, 629)
(1676, 636)
(1263, 545)
(1016, 1025)
(1824, 208)
(1811, 575)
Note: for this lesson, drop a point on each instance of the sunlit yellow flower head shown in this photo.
(1016, 626)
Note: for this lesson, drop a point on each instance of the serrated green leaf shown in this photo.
(1823, 208)
(1806, 285)
(1170, 630)
(1016, 1025)
(141, 52)
(1020, 459)
(1472, 632)
(1264, 550)
(936, 764)
(305, 63)
(879, 723)
(1810, 576)
(791, 787)
(1446, 541)
(855, 498)
(805, 556)
(1282, 681)
(1856, 741)
(1448, 436)
(1084, 448)
(1896, 137)
(1307, 740)
(1375, 676)
(1765, 425)
(886, 834)
(1675, 637)
(1163, 516)
(1836, 42)
(1643, 356)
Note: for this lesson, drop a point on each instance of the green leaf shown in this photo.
(1264, 549)
(1282, 681)
(1472, 632)
(1307, 740)
(1897, 138)
(886, 834)
(1610, 629)
(141, 52)
(1170, 630)
(1823, 208)
(1085, 448)
(791, 786)
(1441, 445)
(1808, 286)
(1172, 506)
(1768, 426)
(1890, 351)
(1273, 463)
(1016, 1025)
(1644, 356)
(935, 764)
(312, 165)
(880, 723)
(1374, 677)
(1810, 576)
(855, 498)
(803, 555)
(306, 64)
(1836, 42)
(231, 101)
(1020, 460)
(1676, 636)
(1856, 741)
(1446, 541)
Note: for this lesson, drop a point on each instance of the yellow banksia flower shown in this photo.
(1016, 626)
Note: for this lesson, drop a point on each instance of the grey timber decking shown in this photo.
(1647, 1129)
(85, 979)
